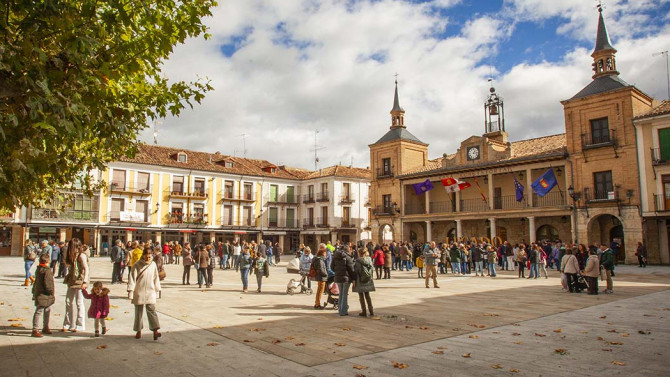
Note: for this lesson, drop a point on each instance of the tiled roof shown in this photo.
(600, 85)
(545, 146)
(399, 133)
(214, 162)
(340, 171)
(663, 108)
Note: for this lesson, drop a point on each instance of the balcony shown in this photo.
(127, 217)
(308, 223)
(443, 207)
(6, 215)
(659, 158)
(474, 205)
(351, 223)
(57, 215)
(234, 223)
(322, 197)
(661, 203)
(415, 209)
(190, 219)
(308, 198)
(384, 173)
(595, 196)
(121, 187)
(552, 199)
(384, 211)
(283, 199)
(590, 142)
(194, 194)
(347, 199)
(283, 223)
(230, 197)
(508, 202)
(322, 222)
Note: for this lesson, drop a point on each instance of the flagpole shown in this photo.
(559, 186)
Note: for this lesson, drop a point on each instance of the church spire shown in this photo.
(603, 54)
(397, 113)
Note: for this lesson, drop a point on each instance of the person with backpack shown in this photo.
(343, 266)
(364, 283)
(319, 273)
(261, 269)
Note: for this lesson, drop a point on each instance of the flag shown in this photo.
(480, 190)
(420, 188)
(453, 185)
(545, 183)
(518, 188)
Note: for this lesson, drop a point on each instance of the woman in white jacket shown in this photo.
(143, 287)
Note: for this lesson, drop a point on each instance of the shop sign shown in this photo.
(131, 216)
(47, 230)
(187, 231)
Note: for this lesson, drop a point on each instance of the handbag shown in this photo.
(32, 256)
(161, 275)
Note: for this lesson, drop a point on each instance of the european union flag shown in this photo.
(545, 183)
(518, 189)
(420, 188)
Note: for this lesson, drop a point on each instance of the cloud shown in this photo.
(282, 70)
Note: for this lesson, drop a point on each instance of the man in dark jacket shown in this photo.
(343, 267)
(116, 256)
(607, 261)
(477, 259)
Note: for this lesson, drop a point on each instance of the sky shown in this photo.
(284, 69)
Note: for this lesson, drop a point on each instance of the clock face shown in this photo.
(473, 153)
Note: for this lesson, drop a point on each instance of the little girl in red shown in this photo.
(99, 306)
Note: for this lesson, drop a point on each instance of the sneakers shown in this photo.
(36, 334)
(97, 334)
(104, 330)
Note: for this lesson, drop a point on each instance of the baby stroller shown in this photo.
(333, 293)
(293, 267)
(581, 284)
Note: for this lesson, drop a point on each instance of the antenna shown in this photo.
(316, 149)
(667, 67)
(600, 6)
(156, 124)
(244, 145)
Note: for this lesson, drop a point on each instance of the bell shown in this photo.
(493, 110)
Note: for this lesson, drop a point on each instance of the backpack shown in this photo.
(366, 274)
(312, 270)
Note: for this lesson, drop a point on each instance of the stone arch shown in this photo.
(547, 232)
(386, 233)
(606, 228)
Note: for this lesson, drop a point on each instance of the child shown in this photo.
(43, 294)
(99, 306)
(261, 269)
(419, 265)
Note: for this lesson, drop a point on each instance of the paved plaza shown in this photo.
(471, 326)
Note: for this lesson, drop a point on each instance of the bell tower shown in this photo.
(397, 113)
(604, 63)
(494, 117)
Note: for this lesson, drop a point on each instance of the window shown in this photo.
(273, 193)
(198, 212)
(227, 215)
(143, 182)
(604, 189)
(178, 184)
(248, 191)
(324, 189)
(228, 164)
(310, 216)
(346, 216)
(290, 194)
(199, 187)
(177, 213)
(273, 217)
(119, 180)
(386, 166)
(247, 216)
(497, 198)
(290, 218)
(600, 132)
(142, 210)
(346, 191)
(181, 157)
(324, 216)
(310, 192)
(118, 205)
(228, 188)
(386, 202)
(664, 144)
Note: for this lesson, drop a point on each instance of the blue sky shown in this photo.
(283, 69)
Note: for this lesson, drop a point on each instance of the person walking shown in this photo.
(55, 256)
(521, 261)
(29, 256)
(99, 308)
(534, 257)
(431, 254)
(388, 261)
(570, 267)
(320, 274)
(492, 256)
(76, 280)
(305, 265)
(143, 287)
(641, 254)
(244, 265)
(607, 261)
(343, 267)
(237, 252)
(378, 258)
(211, 265)
(188, 262)
(202, 261)
(364, 283)
(543, 262)
(591, 272)
(455, 258)
(478, 259)
(116, 256)
(44, 296)
(261, 270)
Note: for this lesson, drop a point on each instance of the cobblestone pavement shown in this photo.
(470, 326)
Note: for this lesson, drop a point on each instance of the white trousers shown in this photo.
(74, 294)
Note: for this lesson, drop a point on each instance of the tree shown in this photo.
(78, 80)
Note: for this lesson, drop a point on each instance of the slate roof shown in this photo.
(600, 85)
(148, 154)
(602, 39)
(399, 133)
(662, 109)
(522, 150)
(396, 102)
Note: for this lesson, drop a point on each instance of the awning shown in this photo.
(274, 233)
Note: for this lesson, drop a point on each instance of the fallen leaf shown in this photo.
(101, 347)
(540, 335)
(408, 327)
(620, 363)
(496, 366)
(516, 324)
(123, 313)
(300, 344)
(16, 325)
(466, 355)
(473, 337)
(496, 332)
(212, 344)
(340, 344)
(607, 349)
(276, 341)
(158, 353)
(399, 365)
(114, 306)
(600, 338)
(515, 334)
(248, 341)
(647, 315)
(441, 348)
(58, 314)
(558, 330)
(423, 328)
(16, 319)
(438, 352)
(615, 343)
(257, 330)
(360, 375)
(610, 323)
(218, 327)
(477, 326)
(490, 315)
(625, 334)
(289, 338)
(25, 307)
(512, 370)
(644, 332)
(259, 319)
(518, 342)
(346, 329)
(603, 317)
(561, 351)
(360, 367)
(109, 319)
(613, 330)
(583, 332)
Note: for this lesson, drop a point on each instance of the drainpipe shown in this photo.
(574, 202)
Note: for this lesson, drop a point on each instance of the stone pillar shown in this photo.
(96, 241)
(458, 201)
(334, 235)
(62, 236)
(459, 229)
(158, 238)
(212, 237)
(281, 243)
(492, 224)
(129, 235)
(528, 191)
(19, 235)
(490, 187)
(429, 231)
(427, 194)
(187, 238)
(531, 229)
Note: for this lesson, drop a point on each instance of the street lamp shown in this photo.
(575, 198)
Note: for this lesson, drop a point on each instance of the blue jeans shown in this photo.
(533, 271)
(504, 266)
(455, 267)
(492, 269)
(28, 265)
(244, 273)
(343, 302)
(224, 261)
(407, 264)
(236, 260)
(479, 268)
(202, 275)
(463, 267)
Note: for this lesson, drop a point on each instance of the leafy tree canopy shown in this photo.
(78, 80)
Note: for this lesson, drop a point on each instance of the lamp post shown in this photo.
(575, 198)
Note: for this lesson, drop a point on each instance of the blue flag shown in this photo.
(420, 188)
(518, 189)
(545, 183)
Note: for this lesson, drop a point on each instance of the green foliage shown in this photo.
(78, 80)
